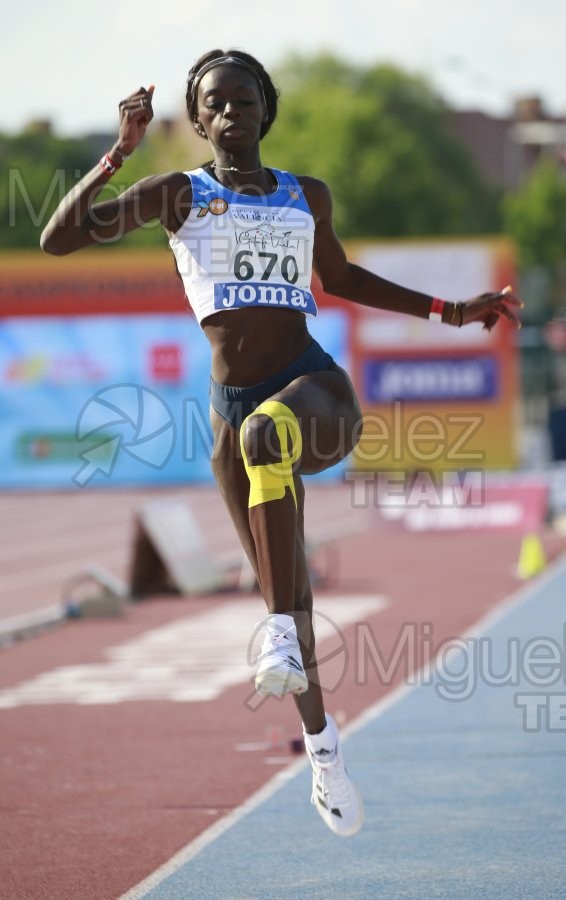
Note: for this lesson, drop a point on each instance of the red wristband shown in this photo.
(436, 308)
(108, 166)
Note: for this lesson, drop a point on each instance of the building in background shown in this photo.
(505, 149)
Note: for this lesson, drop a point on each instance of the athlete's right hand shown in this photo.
(136, 113)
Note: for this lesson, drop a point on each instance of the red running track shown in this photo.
(95, 797)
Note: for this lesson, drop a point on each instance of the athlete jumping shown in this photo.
(246, 239)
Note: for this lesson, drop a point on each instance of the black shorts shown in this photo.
(235, 403)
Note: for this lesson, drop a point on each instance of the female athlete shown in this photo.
(246, 239)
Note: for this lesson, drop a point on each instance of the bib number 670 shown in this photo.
(244, 270)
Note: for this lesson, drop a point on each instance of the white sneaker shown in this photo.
(335, 797)
(280, 664)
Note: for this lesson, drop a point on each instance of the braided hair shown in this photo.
(269, 93)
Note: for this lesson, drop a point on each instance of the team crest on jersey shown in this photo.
(293, 193)
(217, 206)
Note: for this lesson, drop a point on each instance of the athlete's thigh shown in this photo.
(327, 408)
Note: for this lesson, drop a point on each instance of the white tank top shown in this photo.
(236, 251)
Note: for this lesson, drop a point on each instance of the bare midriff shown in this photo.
(249, 346)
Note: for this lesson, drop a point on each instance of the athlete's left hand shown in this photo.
(488, 308)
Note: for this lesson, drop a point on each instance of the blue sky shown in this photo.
(72, 63)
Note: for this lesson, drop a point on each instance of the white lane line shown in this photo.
(187, 853)
(214, 832)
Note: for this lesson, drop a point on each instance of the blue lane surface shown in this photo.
(462, 800)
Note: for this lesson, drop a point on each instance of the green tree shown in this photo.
(535, 216)
(38, 168)
(380, 138)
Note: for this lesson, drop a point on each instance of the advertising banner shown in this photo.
(111, 400)
(104, 372)
(436, 397)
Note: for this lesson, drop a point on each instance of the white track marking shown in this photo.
(190, 660)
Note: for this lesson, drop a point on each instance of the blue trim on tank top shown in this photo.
(286, 182)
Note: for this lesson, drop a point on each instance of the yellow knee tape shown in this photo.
(269, 481)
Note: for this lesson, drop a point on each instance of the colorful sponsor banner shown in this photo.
(112, 400)
(95, 350)
(457, 389)
(94, 282)
(102, 400)
(109, 332)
